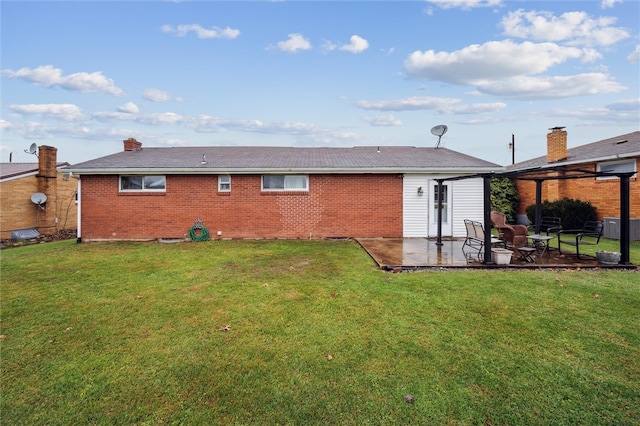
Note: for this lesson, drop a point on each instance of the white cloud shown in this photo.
(357, 44)
(493, 60)
(66, 112)
(508, 69)
(294, 43)
(148, 119)
(383, 121)
(49, 76)
(201, 32)
(441, 105)
(129, 108)
(525, 87)
(157, 95)
(607, 4)
(465, 4)
(573, 28)
(634, 57)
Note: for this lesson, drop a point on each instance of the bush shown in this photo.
(504, 198)
(572, 213)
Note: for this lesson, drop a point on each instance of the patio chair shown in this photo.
(590, 234)
(475, 237)
(549, 225)
(514, 235)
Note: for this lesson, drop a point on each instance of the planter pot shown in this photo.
(501, 256)
(608, 257)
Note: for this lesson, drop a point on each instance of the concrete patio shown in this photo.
(424, 253)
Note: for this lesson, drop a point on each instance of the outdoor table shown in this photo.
(525, 253)
(540, 242)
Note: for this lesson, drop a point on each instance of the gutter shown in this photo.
(243, 171)
(614, 157)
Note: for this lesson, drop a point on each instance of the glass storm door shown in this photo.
(446, 209)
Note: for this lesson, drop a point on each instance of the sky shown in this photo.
(83, 76)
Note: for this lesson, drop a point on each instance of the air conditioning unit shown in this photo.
(612, 228)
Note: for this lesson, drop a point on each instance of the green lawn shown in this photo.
(134, 333)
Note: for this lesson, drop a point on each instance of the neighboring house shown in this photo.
(276, 192)
(19, 216)
(613, 155)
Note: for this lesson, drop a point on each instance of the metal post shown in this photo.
(487, 219)
(538, 219)
(624, 219)
(439, 198)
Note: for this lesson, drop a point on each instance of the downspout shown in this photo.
(79, 215)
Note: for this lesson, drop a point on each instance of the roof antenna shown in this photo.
(33, 149)
(438, 131)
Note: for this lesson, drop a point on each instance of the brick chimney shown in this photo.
(132, 145)
(48, 185)
(556, 145)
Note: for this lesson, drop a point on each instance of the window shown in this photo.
(224, 183)
(285, 183)
(616, 167)
(142, 183)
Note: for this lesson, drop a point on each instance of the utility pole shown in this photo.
(512, 147)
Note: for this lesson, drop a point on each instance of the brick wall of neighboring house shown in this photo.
(603, 194)
(335, 206)
(18, 212)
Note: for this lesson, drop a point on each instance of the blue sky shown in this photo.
(83, 76)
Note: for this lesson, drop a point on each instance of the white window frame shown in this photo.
(287, 178)
(615, 166)
(143, 187)
(224, 183)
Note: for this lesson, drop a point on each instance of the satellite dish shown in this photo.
(438, 131)
(38, 198)
(33, 149)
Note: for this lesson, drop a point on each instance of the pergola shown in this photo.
(539, 175)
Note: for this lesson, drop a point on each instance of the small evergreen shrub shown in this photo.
(572, 213)
(504, 198)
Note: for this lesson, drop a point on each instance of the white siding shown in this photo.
(468, 203)
(415, 208)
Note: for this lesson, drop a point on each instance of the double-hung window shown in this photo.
(285, 183)
(143, 183)
(224, 183)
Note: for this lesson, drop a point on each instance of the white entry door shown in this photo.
(447, 230)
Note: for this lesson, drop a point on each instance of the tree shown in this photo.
(504, 197)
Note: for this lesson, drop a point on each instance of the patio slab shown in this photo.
(423, 253)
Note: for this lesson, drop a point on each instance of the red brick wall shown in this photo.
(604, 195)
(334, 206)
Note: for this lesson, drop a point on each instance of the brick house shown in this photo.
(19, 181)
(616, 154)
(276, 192)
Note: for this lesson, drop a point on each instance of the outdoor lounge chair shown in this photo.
(590, 234)
(514, 235)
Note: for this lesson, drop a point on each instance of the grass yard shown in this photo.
(306, 333)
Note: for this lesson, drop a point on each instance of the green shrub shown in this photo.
(504, 198)
(572, 213)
